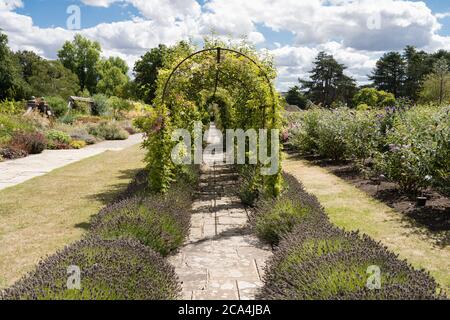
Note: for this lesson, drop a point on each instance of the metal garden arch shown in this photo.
(219, 51)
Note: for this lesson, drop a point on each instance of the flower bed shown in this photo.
(316, 260)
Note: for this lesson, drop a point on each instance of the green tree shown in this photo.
(26, 60)
(437, 84)
(81, 57)
(295, 97)
(415, 72)
(146, 72)
(328, 82)
(51, 78)
(113, 77)
(389, 73)
(12, 85)
(374, 98)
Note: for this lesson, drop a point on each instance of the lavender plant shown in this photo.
(110, 270)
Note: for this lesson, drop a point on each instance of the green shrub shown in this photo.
(110, 270)
(363, 137)
(304, 131)
(411, 148)
(108, 131)
(331, 132)
(275, 217)
(12, 107)
(9, 124)
(100, 106)
(58, 106)
(58, 140)
(118, 106)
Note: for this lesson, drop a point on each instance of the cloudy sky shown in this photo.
(356, 32)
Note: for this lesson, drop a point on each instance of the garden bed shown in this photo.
(314, 259)
(434, 216)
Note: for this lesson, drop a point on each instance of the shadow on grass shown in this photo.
(116, 192)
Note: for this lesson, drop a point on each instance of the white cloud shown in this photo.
(99, 3)
(8, 5)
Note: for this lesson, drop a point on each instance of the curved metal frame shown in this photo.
(219, 49)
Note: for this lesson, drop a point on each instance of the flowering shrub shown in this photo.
(77, 144)
(108, 131)
(409, 145)
(110, 270)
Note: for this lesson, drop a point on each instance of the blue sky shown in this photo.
(356, 32)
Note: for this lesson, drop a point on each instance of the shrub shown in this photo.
(58, 106)
(275, 217)
(32, 143)
(318, 261)
(128, 127)
(9, 124)
(363, 136)
(159, 221)
(57, 138)
(118, 106)
(11, 107)
(12, 153)
(110, 270)
(100, 106)
(331, 132)
(304, 131)
(411, 148)
(108, 131)
(249, 185)
(82, 134)
(77, 144)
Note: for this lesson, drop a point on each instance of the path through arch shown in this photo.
(222, 259)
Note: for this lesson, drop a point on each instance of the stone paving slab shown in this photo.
(14, 172)
(221, 260)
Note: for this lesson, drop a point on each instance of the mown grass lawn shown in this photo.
(44, 214)
(353, 209)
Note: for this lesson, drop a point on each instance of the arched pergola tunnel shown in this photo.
(234, 84)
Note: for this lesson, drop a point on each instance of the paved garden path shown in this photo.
(17, 171)
(221, 259)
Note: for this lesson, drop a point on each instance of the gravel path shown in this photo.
(17, 171)
(221, 259)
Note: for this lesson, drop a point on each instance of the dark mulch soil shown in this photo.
(434, 218)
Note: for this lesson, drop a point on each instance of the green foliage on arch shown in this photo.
(235, 91)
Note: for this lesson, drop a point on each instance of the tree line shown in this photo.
(412, 75)
(80, 70)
